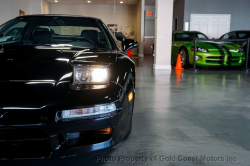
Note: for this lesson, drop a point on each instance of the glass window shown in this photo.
(242, 35)
(226, 36)
(75, 31)
(13, 32)
(232, 35)
(189, 36)
(201, 36)
(183, 37)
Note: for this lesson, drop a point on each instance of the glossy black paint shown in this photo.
(127, 44)
(236, 35)
(36, 82)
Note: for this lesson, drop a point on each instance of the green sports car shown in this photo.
(208, 53)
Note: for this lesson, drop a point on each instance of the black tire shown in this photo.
(184, 58)
(129, 132)
(130, 123)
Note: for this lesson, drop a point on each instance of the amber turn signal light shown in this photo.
(130, 96)
(104, 131)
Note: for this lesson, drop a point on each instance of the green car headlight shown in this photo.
(240, 49)
(199, 49)
(91, 74)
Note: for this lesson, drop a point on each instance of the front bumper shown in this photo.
(208, 59)
(37, 141)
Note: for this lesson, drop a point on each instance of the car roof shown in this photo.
(187, 32)
(57, 15)
(240, 31)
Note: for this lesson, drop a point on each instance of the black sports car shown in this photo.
(119, 36)
(236, 35)
(66, 87)
(241, 34)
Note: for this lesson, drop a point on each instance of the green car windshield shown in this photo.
(189, 36)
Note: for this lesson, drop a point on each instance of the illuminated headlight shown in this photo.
(91, 74)
(87, 112)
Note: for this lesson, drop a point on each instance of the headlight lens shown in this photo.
(88, 111)
(91, 74)
(199, 49)
(240, 49)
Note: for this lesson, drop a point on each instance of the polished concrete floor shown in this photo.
(189, 119)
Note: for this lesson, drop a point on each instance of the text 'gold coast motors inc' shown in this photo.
(202, 158)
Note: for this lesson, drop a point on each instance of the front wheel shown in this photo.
(129, 132)
(131, 89)
(184, 57)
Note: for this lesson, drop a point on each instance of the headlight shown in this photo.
(240, 49)
(91, 74)
(199, 49)
(82, 113)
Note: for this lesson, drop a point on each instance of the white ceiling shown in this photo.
(95, 2)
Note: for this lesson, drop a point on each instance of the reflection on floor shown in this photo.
(181, 119)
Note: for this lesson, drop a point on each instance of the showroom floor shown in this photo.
(179, 116)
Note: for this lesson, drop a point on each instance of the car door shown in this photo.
(176, 45)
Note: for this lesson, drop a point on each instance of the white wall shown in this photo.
(124, 13)
(163, 33)
(138, 22)
(9, 9)
(45, 7)
(239, 10)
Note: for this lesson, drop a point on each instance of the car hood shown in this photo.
(215, 45)
(34, 77)
(4, 38)
(23, 63)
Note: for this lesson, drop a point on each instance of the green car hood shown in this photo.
(214, 45)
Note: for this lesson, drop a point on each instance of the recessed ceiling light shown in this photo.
(56, 1)
(89, 1)
(121, 1)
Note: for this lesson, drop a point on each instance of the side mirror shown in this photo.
(129, 44)
(118, 37)
(244, 44)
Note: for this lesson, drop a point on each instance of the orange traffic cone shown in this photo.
(178, 65)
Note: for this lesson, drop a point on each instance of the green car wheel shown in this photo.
(184, 57)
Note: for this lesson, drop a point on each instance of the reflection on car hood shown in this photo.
(38, 77)
(2, 39)
(214, 45)
(20, 63)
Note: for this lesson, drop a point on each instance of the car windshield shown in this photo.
(55, 31)
(189, 36)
